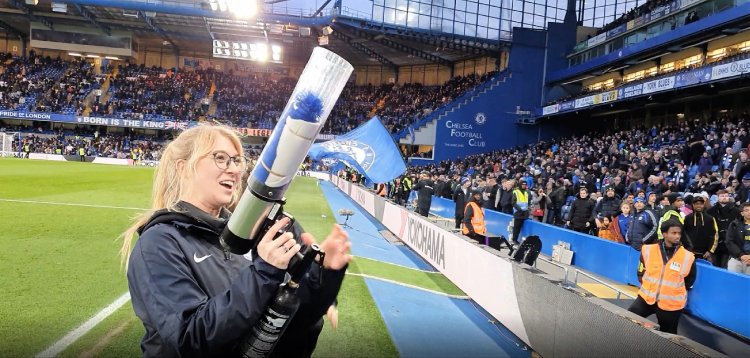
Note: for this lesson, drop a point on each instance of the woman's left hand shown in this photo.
(336, 248)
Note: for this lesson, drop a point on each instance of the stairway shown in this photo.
(428, 123)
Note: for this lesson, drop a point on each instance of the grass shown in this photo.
(61, 265)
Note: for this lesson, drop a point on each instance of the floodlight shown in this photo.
(242, 9)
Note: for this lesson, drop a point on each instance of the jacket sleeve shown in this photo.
(189, 322)
(716, 236)
(731, 242)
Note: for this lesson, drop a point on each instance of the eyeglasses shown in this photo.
(222, 160)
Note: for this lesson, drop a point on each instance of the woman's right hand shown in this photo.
(278, 252)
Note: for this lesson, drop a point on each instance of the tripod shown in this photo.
(346, 222)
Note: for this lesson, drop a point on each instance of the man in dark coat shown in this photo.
(460, 197)
(581, 212)
(424, 189)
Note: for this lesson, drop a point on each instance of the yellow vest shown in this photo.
(477, 220)
(665, 284)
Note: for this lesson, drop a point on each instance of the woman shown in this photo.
(539, 204)
(196, 298)
(580, 212)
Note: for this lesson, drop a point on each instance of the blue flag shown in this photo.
(369, 148)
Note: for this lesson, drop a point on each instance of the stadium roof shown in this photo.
(190, 26)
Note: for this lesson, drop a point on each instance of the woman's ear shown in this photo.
(180, 165)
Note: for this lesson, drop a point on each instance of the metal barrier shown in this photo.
(565, 268)
(619, 291)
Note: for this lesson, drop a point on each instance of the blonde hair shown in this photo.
(171, 181)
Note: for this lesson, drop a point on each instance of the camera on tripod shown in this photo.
(347, 213)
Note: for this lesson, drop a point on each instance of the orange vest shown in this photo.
(381, 191)
(477, 221)
(665, 284)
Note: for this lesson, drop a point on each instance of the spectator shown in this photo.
(608, 206)
(642, 228)
(724, 212)
(738, 247)
(459, 198)
(581, 212)
(702, 230)
(521, 202)
(621, 222)
(691, 17)
(424, 189)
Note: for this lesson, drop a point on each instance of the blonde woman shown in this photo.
(195, 298)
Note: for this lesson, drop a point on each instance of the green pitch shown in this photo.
(60, 267)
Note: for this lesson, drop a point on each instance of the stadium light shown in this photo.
(111, 57)
(241, 9)
(74, 54)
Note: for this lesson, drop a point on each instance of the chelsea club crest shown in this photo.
(480, 118)
(360, 152)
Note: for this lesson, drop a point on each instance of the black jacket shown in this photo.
(425, 190)
(724, 215)
(607, 206)
(460, 199)
(736, 239)
(196, 299)
(702, 230)
(581, 212)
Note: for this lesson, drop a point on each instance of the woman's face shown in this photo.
(216, 177)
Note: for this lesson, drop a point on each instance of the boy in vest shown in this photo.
(666, 272)
(473, 222)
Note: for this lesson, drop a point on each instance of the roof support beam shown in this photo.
(30, 14)
(150, 22)
(364, 49)
(92, 19)
(11, 30)
(320, 9)
(383, 40)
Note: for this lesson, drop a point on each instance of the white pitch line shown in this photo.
(70, 204)
(397, 265)
(461, 297)
(77, 333)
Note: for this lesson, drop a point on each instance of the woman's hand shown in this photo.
(278, 252)
(336, 248)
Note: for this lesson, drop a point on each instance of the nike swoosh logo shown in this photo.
(200, 259)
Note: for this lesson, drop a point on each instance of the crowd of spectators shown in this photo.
(94, 144)
(23, 80)
(155, 93)
(45, 84)
(257, 101)
(591, 183)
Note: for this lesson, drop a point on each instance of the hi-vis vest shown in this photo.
(668, 216)
(665, 284)
(522, 199)
(477, 221)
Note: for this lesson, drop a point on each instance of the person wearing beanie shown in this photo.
(608, 206)
(643, 226)
(672, 211)
(702, 230)
(473, 222)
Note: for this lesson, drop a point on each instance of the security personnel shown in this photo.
(672, 211)
(520, 209)
(473, 222)
(666, 272)
(82, 153)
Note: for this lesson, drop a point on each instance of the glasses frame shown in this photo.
(238, 160)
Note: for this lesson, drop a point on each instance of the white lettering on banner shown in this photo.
(467, 265)
(551, 109)
(465, 130)
(364, 198)
(730, 69)
(13, 114)
(584, 102)
(658, 85)
(427, 239)
(632, 91)
(42, 156)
